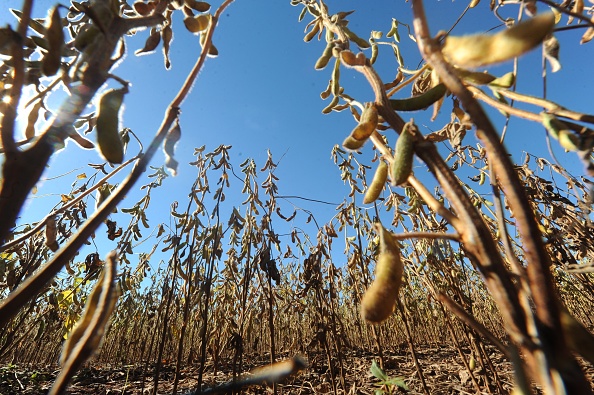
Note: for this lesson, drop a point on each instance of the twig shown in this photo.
(471, 322)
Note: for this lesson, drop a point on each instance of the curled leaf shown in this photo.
(551, 52)
(505, 81)
(173, 136)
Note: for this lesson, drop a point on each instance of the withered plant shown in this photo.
(486, 255)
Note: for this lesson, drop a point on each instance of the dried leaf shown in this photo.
(589, 34)
(32, 119)
(55, 39)
(173, 136)
(551, 52)
(167, 35)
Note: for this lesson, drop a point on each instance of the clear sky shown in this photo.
(262, 92)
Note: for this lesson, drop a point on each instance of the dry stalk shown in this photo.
(547, 356)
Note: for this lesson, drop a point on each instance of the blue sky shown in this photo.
(262, 92)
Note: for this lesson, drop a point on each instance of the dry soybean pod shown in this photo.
(51, 231)
(367, 123)
(108, 120)
(380, 298)
(377, 184)
(482, 49)
(326, 56)
(403, 156)
(366, 126)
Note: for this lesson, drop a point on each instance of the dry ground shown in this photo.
(442, 367)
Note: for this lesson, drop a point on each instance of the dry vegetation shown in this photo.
(494, 268)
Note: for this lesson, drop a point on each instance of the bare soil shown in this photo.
(442, 367)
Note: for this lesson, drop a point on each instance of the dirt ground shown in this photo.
(442, 367)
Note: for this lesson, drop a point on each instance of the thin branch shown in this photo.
(471, 322)
(308, 199)
(504, 107)
(552, 107)
(563, 10)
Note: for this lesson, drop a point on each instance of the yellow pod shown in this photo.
(483, 49)
(367, 123)
(377, 184)
(312, 33)
(352, 144)
(108, 120)
(326, 56)
(349, 59)
(505, 81)
(561, 132)
(379, 300)
(85, 37)
(196, 24)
